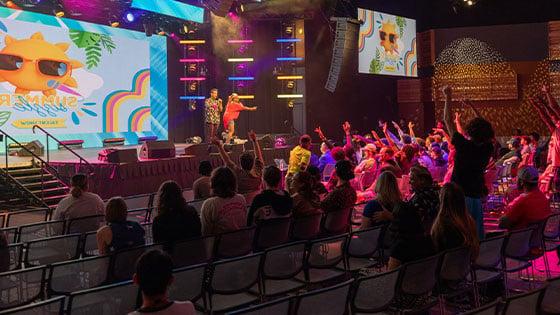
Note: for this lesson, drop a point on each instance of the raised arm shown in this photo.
(323, 138)
(552, 104)
(388, 137)
(544, 117)
(399, 131)
(225, 157)
(250, 109)
(451, 128)
(256, 146)
(377, 138)
(458, 124)
(346, 127)
(411, 132)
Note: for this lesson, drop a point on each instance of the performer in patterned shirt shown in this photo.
(212, 112)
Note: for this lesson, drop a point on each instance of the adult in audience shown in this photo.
(226, 211)
(514, 154)
(118, 233)
(318, 187)
(249, 170)
(425, 196)
(80, 203)
(272, 202)
(343, 196)
(471, 158)
(454, 226)
(306, 200)
(299, 158)
(201, 186)
(387, 197)
(175, 219)
(326, 157)
(154, 276)
(368, 163)
(531, 206)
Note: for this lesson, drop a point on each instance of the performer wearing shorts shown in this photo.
(233, 108)
(212, 111)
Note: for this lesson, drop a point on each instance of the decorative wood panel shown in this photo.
(426, 48)
(554, 40)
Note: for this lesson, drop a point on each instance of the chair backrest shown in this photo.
(188, 284)
(376, 292)
(235, 243)
(518, 242)
(85, 224)
(552, 226)
(235, 275)
(419, 277)
(326, 252)
(488, 309)
(77, 275)
(193, 251)
(550, 304)
(306, 228)
(455, 264)
(115, 299)
(272, 232)
(327, 172)
(11, 234)
(53, 249)
(275, 307)
(33, 231)
(21, 287)
(284, 261)
(328, 301)
(138, 201)
(18, 218)
(364, 243)
(122, 263)
(52, 306)
(336, 222)
(89, 244)
(149, 236)
(2, 220)
(490, 253)
(138, 215)
(15, 252)
(526, 303)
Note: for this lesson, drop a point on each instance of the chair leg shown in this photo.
(547, 266)
(441, 304)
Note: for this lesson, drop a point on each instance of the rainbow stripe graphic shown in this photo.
(366, 30)
(113, 102)
(410, 66)
(138, 117)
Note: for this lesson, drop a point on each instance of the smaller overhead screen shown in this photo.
(172, 8)
(387, 44)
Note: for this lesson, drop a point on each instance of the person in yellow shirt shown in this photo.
(299, 158)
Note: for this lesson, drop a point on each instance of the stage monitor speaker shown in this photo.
(345, 45)
(34, 146)
(266, 142)
(200, 150)
(237, 148)
(121, 155)
(218, 7)
(157, 150)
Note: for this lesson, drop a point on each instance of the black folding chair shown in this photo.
(52, 249)
(21, 287)
(188, 285)
(235, 243)
(85, 224)
(33, 231)
(54, 306)
(22, 217)
(328, 301)
(307, 227)
(193, 251)
(114, 299)
(375, 293)
(280, 266)
(77, 275)
(272, 232)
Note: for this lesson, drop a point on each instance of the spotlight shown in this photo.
(240, 85)
(193, 86)
(290, 85)
(469, 2)
(129, 17)
(192, 105)
(289, 30)
(241, 68)
(242, 49)
(192, 68)
(300, 31)
(191, 51)
(290, 104)
(290, 47)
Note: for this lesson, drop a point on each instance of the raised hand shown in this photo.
(457, 117)
(252, 135)
(545, 89)
(346, 127)
(411, 125)
(385, 126)
(396, 125)
(446, 90)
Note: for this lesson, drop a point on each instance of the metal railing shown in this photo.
(80, 158)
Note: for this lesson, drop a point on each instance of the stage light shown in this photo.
(246, 97)
(192, 41)
(12, 5)
(469, 2)
(290, 95)
(191, 51)
(241, 78)
(300, 31)
(290, 77)
(241, 59)
(289, 30)
(192, 97)
(194, 60)
(240, 41)
(291, 104)
(240, 85)
(242, 49)
(288, 40)
(241, 68)
(114, 23)
(129, 17)
(193, 86)
(192, 78)
(289, 48)
(192, 105)
(289, 59)
(192, 68)
(290, 85)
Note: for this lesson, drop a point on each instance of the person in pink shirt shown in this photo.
(530, 207)
(233, 107)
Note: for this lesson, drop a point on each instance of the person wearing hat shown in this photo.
(514, 155)
(368, 163)
(530, 207)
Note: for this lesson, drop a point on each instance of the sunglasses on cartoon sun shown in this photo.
(392, 37)
(49, 67)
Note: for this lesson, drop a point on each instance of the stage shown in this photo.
(144, 176)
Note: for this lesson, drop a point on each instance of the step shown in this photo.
(24, 171)
(53, 200)
(50, 191)
(35, 185)
(34, 178)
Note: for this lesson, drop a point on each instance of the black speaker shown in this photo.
(34, 146)
(199, 150)
(345, 45)
(218, 7)
(114, 155)
(157, 150)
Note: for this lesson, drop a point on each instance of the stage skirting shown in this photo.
(145, 176)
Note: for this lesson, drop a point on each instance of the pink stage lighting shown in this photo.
(192, 60)
(192, 78)
(240, 41)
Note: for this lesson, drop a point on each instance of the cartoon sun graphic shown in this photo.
(389, 36)
(36, 65)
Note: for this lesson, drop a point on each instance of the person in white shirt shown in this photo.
(80, 203)
(154, 276)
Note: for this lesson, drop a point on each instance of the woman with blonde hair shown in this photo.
(387, 197)
(454, 226)
(233, 107)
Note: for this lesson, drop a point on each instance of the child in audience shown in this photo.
(154, 276)
(118, 233)
(201, 186)
(273, 202)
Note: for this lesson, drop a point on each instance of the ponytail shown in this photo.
(79, 185)
(76, 192)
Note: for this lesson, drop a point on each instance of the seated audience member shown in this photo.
(272, 202)
(326, 157)
(387, 162)
(514, 154)
(454, 226)
(250, 173)
(406, 158)
(306, 200)
(437, 157)
(368, 163)
(118, 233)
(175, 219)
(299, 158)
(425, 196)
(154, 276)
(387, 197)
(201, 186)
(530, 207)
(318, 186)
(226, 211)
(80, 203)
(343, 196)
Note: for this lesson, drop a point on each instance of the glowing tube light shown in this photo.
(289, 59)
(192, 41)
(240, 60)
(240, 41)
(290, 77)
(241, 78)
(288, 40)
(290, 95)
(246, 97)
(192, 60)
(192, 97)
(193, 78)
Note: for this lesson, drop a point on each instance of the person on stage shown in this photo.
(233, 107)
(212, 111)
